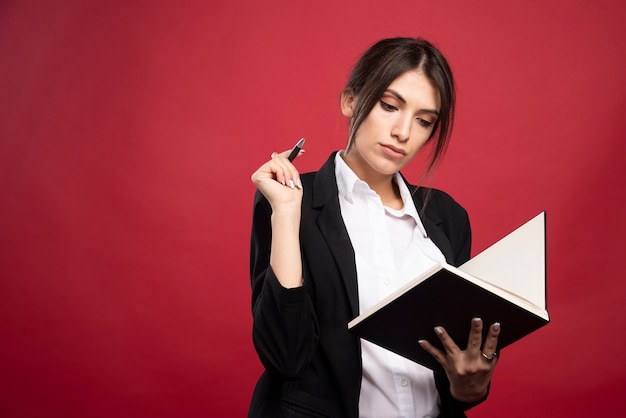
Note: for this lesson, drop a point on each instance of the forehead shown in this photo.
(416, 89)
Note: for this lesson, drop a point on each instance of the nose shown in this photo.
(401, 129)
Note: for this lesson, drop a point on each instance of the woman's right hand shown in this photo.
(279, 181)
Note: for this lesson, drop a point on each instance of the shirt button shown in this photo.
(387, 282)
(404, 382)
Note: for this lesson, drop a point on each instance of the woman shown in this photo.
(328, 245)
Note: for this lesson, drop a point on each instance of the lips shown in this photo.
(393, 151)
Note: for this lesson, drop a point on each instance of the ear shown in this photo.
(348, 101)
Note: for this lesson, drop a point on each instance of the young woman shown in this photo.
(328, 245)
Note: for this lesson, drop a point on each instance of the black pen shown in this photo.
(296, 150)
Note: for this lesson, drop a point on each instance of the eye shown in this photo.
(425, 123)
(387, 106)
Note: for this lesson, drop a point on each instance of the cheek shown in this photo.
(421, 140)
(366, 131)
(418, 145)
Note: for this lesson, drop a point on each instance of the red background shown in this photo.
(128, 133)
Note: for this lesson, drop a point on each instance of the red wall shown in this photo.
(128, 133)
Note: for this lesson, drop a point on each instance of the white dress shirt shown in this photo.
(391, 248)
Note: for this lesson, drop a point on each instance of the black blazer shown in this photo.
(312, 363)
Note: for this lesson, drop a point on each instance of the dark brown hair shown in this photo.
(385, 61)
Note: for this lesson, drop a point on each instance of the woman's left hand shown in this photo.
(469, 370)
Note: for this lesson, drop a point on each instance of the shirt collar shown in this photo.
(347, 180)
(409, 205)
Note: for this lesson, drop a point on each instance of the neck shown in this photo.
(383, 184)
(389, 194)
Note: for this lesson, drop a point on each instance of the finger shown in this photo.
(491, 359)
(439, 355)
(491, 341)
(280, 168)
(276, 169)
(285, 172)
(447, 341)
(285, 154)
(475, 339)
(288, 152)
(300, 152)
(266, 172)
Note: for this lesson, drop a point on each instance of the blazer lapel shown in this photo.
(437, 236)
(431, 222)
(330, 224)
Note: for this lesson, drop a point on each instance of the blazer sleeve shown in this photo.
(284, 331)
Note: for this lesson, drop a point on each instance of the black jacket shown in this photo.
(312, 362)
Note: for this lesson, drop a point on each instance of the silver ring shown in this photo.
(489, 359)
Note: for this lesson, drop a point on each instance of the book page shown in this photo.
(517, 262)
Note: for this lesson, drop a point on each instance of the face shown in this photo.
(396, 127)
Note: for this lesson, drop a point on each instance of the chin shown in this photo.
(388, 168)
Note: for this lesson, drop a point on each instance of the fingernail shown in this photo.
(438, 331)
(299, 184)
(291, 184)
(477, 321)
(421, 342)
(496, 326)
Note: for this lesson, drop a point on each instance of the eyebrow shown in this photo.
(398, 96)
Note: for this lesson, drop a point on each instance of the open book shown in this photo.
(505, 283)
